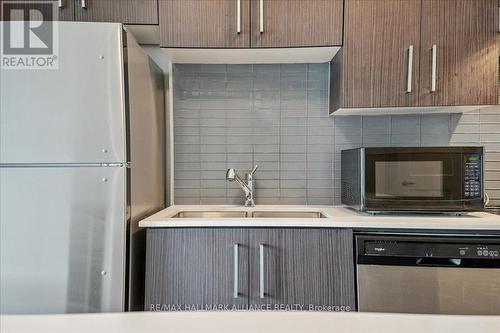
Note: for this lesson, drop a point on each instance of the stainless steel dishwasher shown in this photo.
(428, 274)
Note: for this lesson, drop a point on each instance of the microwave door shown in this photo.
(414, 181)
(409, 179)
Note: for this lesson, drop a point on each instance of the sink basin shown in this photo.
(287, 215)
(209, 214)
(190, 214)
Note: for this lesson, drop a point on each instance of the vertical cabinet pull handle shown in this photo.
(236, 269)
(61, 3)
(238, 16)
(434, 68)
(262, 291)
(261, 16)
(84, 4)
(410, 69)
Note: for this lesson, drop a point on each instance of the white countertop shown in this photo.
(242, 322)
(336, 217)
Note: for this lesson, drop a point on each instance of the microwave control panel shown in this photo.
(472, 176)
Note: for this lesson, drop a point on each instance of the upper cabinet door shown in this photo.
(459, 55)
(285, 23)
(66, 10)
(381, 48)
(122, 11)
(207, 23)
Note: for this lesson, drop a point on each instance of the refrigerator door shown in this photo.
(62, 239)
(147, 157)
(74, 114)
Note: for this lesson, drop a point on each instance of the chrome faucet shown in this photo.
(248, 187)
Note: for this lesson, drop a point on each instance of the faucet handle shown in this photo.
(254, 169)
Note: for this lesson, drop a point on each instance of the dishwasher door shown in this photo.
(443, 290)
(433, 275)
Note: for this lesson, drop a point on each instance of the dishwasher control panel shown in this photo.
(428, 247)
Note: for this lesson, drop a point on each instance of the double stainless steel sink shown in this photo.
(249, 214)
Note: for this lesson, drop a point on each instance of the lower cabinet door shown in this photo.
(196, 269)
(302, 269)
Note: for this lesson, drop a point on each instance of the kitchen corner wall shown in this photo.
(276, 116)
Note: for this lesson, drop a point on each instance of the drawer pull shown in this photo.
(261, 16)
(434, 68)
(238, 16)
(236, 269)
(410, 69)
(262, 290)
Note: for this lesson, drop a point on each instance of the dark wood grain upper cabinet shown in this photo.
(205, 24)
(379, 61)
(453, 62)
(285, 23)
(191, 267)
(66, 10)
(459, 54)
(122, 11)
(313, 268)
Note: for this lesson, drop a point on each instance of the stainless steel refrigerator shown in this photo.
(81, 162)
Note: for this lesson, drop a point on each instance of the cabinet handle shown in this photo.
(261, 16)
(84, 4)
(238, 16)
(410, 69)
(61, 3)
(434, 68)
(235, 266)
(262, 292)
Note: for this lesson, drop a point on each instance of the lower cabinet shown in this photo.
(195, 268)
(256, 269)
(302, 269)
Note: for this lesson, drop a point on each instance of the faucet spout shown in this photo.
(247, 187)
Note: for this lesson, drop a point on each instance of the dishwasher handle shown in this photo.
(438, 262)
(422, 261)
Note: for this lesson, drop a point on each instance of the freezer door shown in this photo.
(62, 240)
(74, 114)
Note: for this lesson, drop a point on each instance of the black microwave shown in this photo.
(416, 179)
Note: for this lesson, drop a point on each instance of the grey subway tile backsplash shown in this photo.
(276, 115)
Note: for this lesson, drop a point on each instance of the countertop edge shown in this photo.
(256, 321)
(337, 217)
